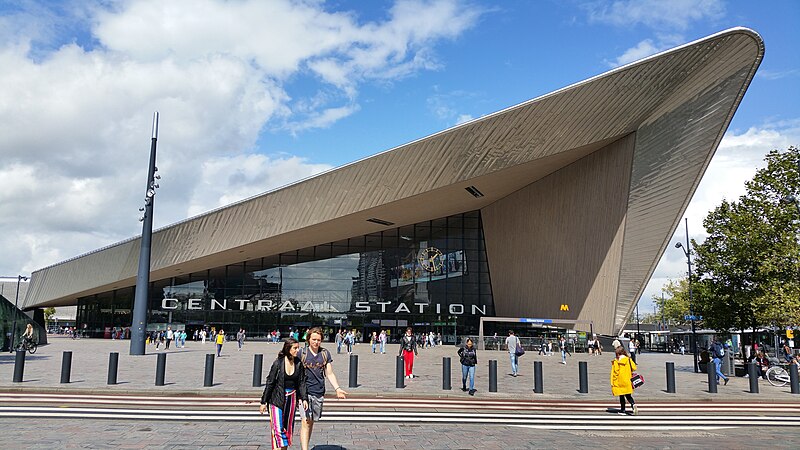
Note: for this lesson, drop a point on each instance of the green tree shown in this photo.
(674, 306)
(748, 265)
(48, 314)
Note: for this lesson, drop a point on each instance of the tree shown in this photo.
(747, 267)
(674, 306)
(48, 314)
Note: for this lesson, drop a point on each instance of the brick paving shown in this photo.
(101, 434)
(376, 375)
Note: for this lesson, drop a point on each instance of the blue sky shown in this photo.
(254, 95)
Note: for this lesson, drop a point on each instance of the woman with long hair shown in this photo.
(469, 359)
(285, 382)
(622, 368)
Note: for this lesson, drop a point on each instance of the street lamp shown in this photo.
(688, 252)
(16, 308)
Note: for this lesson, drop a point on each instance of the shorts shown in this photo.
(314, 411)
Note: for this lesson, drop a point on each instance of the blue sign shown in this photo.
(692, 317)
(524, 320)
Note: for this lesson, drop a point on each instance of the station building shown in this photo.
(556, 208)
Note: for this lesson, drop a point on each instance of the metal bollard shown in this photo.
(161, 368)
(670, 377)
(446, 373)
(113, 365)
(399, 379)
(753, 373)
(258, 364)
(712, 377)
(66, 366)
(583, 375)
(19, 366)
(353, 371)
(794, 380)
(492, 375)
(538, 385)
(208, 377)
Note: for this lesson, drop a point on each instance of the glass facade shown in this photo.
(432, 275)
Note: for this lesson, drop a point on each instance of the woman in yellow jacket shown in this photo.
(621, 371)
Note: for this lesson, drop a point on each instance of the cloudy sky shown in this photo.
(256, 94)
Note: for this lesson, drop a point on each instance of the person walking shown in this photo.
(512, 342)
(622, 368)
(717, 352)
(203, 336)
(408, 348)
(285, 383)
(632, 349)
(469, 359)
(318, 365)
(339, 340)
(562, 343)
(349, 339)
(170, 335)
(183, 338)
(240, 338)
(220, 339)
(373, 341)
(382, 338)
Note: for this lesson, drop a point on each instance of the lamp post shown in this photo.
(16, 308)
(139, 315)
(688, 252)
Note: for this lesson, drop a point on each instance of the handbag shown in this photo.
(636, 380)
(519, 351)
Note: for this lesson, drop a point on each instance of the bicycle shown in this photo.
(30, 346)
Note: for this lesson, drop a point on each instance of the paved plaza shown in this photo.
(233, 373)
(54, 433)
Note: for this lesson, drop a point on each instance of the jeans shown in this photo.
(219, 349)
(374, 345)
(563, 356)
(468, 371)
(383, 347)
(513, 363)
(718, 366)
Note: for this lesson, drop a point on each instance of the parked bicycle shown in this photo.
(778, 375)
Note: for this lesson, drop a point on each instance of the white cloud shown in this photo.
(76, 108)
(643, 49)
(229, 179)
(657, 14)
(738, 157)
(768, 74)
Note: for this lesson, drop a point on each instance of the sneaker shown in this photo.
(726, 382)
(635, 410)
(472, 392)
(564, 362)
(622, 413)
(464, 389)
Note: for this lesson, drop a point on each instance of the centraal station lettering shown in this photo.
(289, 306)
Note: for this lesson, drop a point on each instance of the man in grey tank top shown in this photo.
(319, 365)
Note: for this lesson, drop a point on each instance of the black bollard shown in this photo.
(399, 379)
(538, 385)
(19, 366)
(66, 366)
(208, 377)
(113, 364)
(258, 364)
(712, 377)
(161, 368)
(446, 373)
(583, 375)
(492, 375)
(353, 381)
(794, 379)
(753, 371)
(671, 377)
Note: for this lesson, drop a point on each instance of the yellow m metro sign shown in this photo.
(564, 307)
